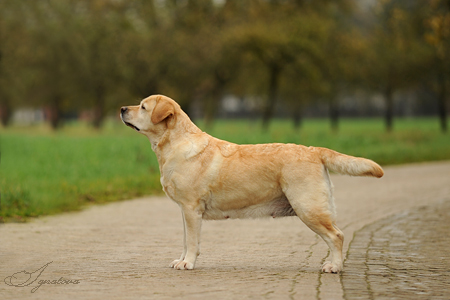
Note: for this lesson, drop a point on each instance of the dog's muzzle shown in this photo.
(123, 110)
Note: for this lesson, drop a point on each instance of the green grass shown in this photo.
(44, 172)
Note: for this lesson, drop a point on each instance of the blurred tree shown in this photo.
(276, 35)
(283, 35)
(97, 49)
(438, 36)
(221, 57)
(395, 52)
(300, 85)
(142, 51)
(341, 44)
(12, 48)
(72, 55)
(50, 56)
(198, 60)
(182, 58)
(339, 67)
(5, 105)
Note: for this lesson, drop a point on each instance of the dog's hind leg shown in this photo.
(313, 203)
(319, 219)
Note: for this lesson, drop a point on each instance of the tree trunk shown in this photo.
(274, 72)
(389, 113)
(297, 116)
(186, 101)
(5, 108)
(54, 112)
(5, 113)
(99, 115)
(99, 109)
(442, 105)
(334, 114)
(212, 102)
(210, 107)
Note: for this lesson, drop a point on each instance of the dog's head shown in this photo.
(152, 117)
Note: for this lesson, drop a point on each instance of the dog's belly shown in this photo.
(279, 207)
(244, 187)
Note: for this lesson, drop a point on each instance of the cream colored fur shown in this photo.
(214, 179)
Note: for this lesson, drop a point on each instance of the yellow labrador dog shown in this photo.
(213, 179)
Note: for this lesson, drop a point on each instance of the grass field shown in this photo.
(45, 172)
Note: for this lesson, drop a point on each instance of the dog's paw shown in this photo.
(329, 267)
(183, 265)
(174, 263)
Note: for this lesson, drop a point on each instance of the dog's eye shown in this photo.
(143, 107)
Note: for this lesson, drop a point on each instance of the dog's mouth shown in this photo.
(132, 126)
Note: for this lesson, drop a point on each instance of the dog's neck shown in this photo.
(172, 138)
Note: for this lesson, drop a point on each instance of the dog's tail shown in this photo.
(349, 165)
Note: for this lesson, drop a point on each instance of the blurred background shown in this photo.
(82, 59)
(331, 73)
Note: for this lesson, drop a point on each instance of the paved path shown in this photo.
(402, 256)
(396, 228)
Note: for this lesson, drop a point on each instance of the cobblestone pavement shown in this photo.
(395, 227)
(404, 256)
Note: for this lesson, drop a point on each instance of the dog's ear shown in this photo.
(163, 110)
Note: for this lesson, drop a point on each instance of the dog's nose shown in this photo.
(123, 109)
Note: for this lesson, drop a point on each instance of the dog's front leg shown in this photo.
(183, 255)
(192, 227)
